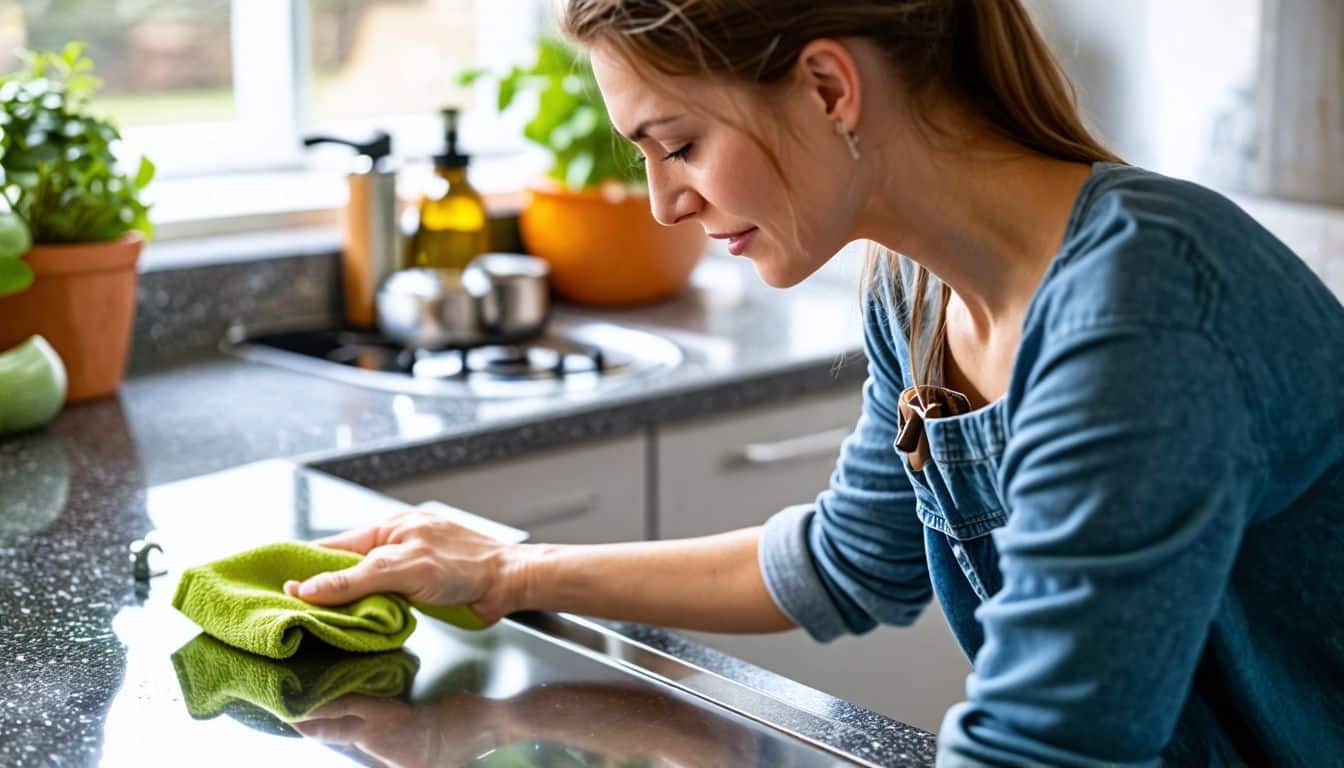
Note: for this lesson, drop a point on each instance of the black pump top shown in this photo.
(450, 157)
(376, 148)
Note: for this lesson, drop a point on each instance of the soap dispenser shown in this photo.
(374, 245)
(453, 227)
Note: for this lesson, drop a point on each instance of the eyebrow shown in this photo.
(641, 130)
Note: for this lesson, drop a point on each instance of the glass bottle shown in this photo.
(453, 228)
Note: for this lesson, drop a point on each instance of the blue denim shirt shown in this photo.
(1140, 546)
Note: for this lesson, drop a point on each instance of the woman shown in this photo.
(1122, 473)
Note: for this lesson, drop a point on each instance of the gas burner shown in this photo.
(570, 358)
(554, 359)
(515, 362)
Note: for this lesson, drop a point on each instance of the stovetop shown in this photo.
(571, 357)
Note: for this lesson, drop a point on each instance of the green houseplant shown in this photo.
(570, 120)
(85, 215)
(590, 216)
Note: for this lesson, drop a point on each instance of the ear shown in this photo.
(828, 69)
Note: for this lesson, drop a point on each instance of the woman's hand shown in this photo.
(646, 726)
(451, 731)
(428, 559)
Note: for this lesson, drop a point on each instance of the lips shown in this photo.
(728, 235)
(737, 241)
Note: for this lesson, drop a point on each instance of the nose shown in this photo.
(672, 204)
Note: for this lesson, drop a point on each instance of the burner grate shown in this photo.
(570, 358)
(550, 360)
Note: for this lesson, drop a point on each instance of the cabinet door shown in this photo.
(734, 472)
(591, 494)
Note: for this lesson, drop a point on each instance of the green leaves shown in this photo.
(15, 275)
(508, 88)
(60, 174)
(570, 120)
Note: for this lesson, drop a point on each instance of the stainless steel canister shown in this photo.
(374, 245)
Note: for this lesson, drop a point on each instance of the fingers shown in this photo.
(345, 730)
(389, 530)
(358, 706)
(377, 572)
(358, 540)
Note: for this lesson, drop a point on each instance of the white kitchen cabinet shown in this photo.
(736, 470)
(589, 494)
(731, 472)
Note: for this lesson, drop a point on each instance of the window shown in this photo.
(160, 61)
(391, 64)
(220, 87)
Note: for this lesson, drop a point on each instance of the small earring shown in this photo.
(851, 138)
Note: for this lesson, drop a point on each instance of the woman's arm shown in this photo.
(1128, 475)
(640, 727)
(712, 583)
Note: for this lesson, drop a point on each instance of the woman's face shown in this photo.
(708, 172)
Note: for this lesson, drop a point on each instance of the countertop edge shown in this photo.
(611, 417)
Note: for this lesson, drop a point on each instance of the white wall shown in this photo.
(1153, 75)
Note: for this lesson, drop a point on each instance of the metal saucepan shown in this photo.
(519, 303)
(499, 298)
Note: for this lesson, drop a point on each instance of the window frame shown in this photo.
(271, 78)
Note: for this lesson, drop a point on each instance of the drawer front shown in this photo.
(732, 472)
(591, 494)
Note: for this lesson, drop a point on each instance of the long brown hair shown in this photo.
(987, 53)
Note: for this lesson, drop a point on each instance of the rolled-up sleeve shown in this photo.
(1129, 478)
(855, 557)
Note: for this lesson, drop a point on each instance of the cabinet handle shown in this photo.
(567, 509)
(793, 449)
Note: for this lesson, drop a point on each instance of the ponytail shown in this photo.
(1002, 66)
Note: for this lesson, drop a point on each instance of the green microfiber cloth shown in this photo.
(241, 600)
(216, 678)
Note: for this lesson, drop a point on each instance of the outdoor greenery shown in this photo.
(571, 120)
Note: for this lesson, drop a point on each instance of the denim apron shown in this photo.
(959, 504)
(957, 487)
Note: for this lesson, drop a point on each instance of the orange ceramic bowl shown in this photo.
(605, 248)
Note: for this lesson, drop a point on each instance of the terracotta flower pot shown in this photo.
(605, 248)
(83, 301)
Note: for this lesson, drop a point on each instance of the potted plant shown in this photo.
(589, 218)
(86, 218)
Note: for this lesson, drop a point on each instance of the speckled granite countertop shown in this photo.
(213, 453)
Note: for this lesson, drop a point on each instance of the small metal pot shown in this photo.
(432, 308)
(519, 304)
(500, 298)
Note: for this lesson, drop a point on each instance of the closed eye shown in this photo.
(680, 154)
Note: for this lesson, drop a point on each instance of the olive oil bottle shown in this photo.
(453, 228)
